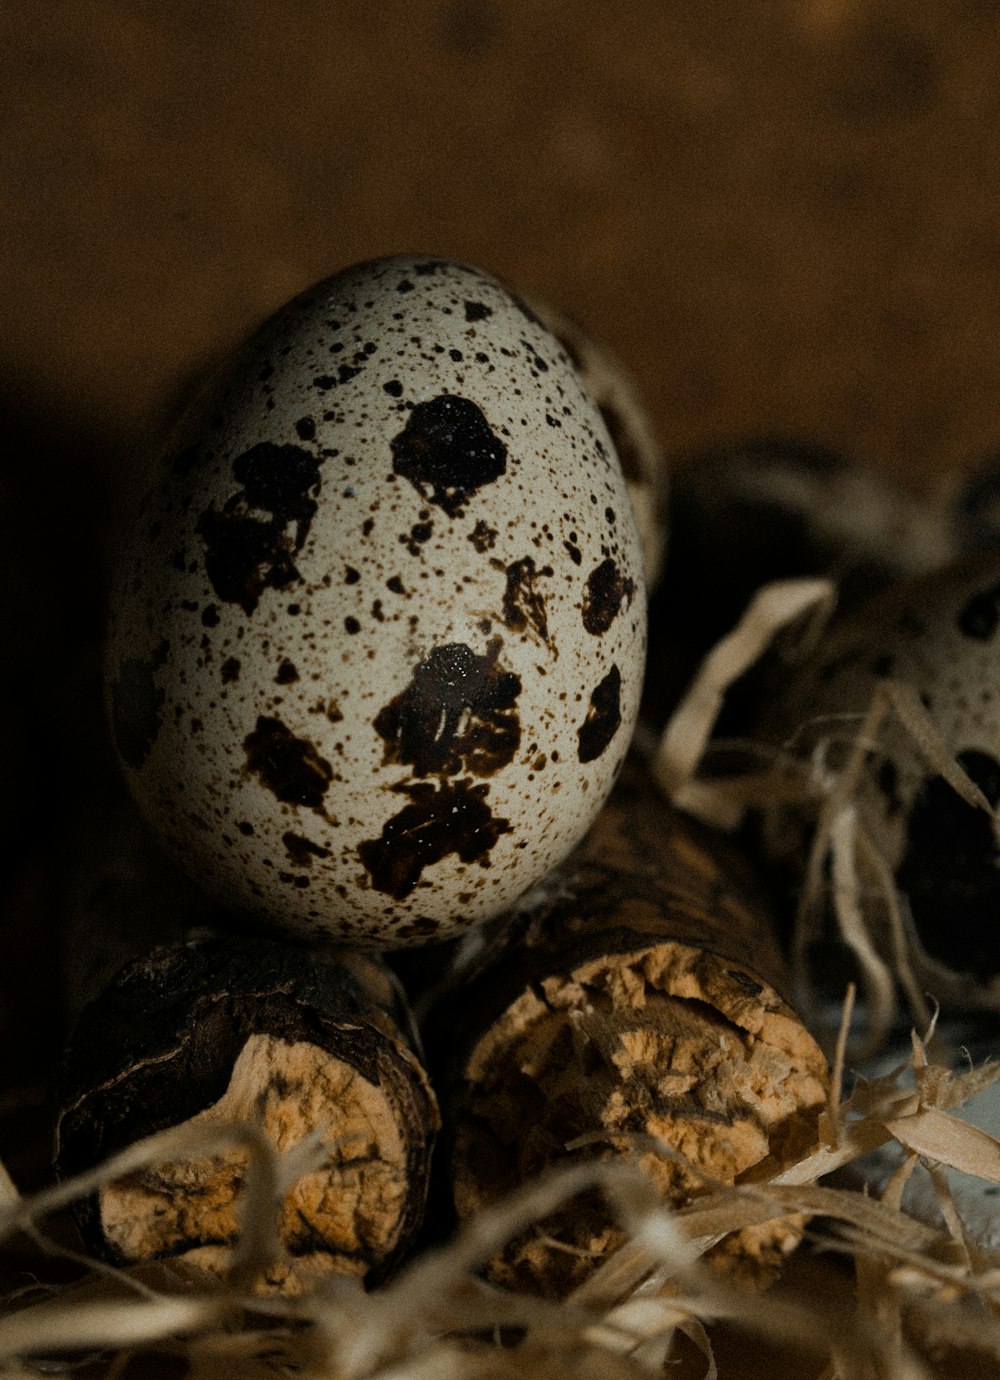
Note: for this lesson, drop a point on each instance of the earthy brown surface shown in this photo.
(781, 214)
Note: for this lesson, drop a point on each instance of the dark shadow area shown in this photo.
(53, 533)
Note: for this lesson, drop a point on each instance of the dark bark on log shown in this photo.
(245, 1028)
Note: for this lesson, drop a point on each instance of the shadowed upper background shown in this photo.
(782, 215)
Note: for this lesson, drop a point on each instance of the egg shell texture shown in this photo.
(378, 631)
(939, 634)
(643, 463)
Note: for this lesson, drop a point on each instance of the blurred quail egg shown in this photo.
(935, 639)
(378, 630)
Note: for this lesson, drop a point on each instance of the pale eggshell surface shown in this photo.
(378, 635)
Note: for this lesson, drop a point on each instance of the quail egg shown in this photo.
(378, 629)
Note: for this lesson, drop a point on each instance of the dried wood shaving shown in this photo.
(919, 1290)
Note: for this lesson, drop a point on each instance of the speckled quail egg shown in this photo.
(378, 630)
(933, 642)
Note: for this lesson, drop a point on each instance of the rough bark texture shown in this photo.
(268, 1033)
(643, 1001)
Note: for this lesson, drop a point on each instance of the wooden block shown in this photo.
(288, 1039)
(643, 1005)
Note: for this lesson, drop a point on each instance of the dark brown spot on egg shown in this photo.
(477, 311)
(287, 673)
(302, 851)
(290, 768)
(603, 717)
(483, 537)
(210, 616)
(523, 604)
(603, 596)
(344, 374)
(459, 713)
(330, 708)
(950, 871)
(230, 670)
(250, 543)
(978, 618)
(136, 701)
(420, 533)
(536, 359)
(448, 452)
(450, 817)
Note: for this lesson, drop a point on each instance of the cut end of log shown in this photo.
(336, 1219)
(668, 1054)
(299, 1053)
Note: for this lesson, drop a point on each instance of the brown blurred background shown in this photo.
(784, 215)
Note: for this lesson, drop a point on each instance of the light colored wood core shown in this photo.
(662, 1047)
(336, 1219)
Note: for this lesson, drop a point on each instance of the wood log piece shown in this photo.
(646, 997)
(251, 1030)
